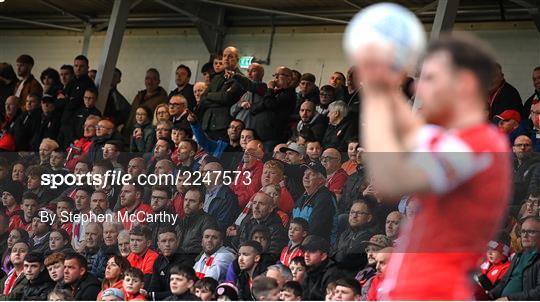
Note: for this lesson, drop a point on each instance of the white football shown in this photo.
(388, 30)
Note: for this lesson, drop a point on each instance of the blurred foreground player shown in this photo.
(459, 171)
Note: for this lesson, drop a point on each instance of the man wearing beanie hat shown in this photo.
(307, 90)
(27, 84)
(11, 199)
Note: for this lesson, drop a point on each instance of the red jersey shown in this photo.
(494, 272)
(139, 212)
(336, 181)
(144, 263)
(470, 174)
(289, 252)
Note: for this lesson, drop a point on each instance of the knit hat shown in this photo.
(227, 289)
(113, 292)
(308, 77)
(15, 190)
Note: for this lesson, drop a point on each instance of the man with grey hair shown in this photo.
(255, 90)
(317, 205)
(280, 273)
(110, 247)
(123, 243)
(341, 129)
(223, 91)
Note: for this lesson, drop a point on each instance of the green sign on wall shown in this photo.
(245, 62)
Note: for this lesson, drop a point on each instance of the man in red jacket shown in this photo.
(251, 168)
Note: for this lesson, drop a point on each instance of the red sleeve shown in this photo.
(338, 182)
(286, 202)
(244, 192)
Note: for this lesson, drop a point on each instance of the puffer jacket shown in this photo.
(39, 288)
(317, 278)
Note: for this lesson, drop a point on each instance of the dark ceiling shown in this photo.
(75, 14)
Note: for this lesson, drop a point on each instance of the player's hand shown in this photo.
(378, 76)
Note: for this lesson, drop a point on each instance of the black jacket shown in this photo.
(221, 94)
(243, 281)
(156, 226)
(186, 92)
(349, 253)
(191, 228)
(278, 234)
(354, 186)
(86, 289)
(117, 107)
(271, 114)
(523, 178)
(158, 287)
(317, 278)
(39, 288)
(100, 261)
(74, 93)
(531, 280)
(507, 98)
(49, 126)
(319, 210)
(24, 128)
(317, 126)
(339, 135)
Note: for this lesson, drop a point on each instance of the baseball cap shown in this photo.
(295, 147)
(113, 292)
(379, 240)
(314, 243)
(316, 166)
(507, 115)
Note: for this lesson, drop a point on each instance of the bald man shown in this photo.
(336, 176)
(223, 92)
(272, 112)
(263, 214)
(393, 222)
(251, 169)
(255, 91)
(105, 131)
(311, 121)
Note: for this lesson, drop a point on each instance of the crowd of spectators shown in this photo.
(300, 221)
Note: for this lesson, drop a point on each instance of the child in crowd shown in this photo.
(496, 264)
(132, 284)
(205, 289)
(330, 291)
(291, 291)
(182, 280)
(298, 268)
(227, 292)
(298, 231)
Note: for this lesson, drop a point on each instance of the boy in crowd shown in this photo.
(132, 284)
(298, 268)
(291, 291)
(347, 289)
(298, 231)
(265, 289)
(205, 289)
(182, 280)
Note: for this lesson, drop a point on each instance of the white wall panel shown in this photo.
(318, 53)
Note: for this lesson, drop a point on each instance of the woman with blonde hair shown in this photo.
(161, 114)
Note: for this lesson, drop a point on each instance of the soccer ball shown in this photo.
(387, 30)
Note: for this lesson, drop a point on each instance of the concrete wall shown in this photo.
(315, 50)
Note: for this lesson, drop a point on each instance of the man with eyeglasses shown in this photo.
(526, 163)
(104, 131)
(335, 181)
(160, 202)
(349, 250)
(178, 111)
(273, 111)
(317, 205)
(522, 281)
(223, 91)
